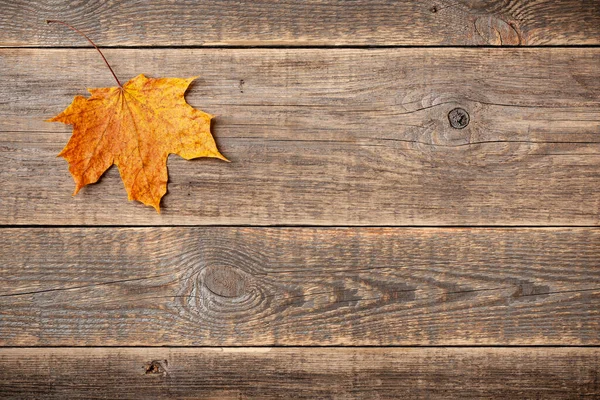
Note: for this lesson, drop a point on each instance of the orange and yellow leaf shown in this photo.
(135, 127)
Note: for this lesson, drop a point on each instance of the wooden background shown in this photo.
(357, 246)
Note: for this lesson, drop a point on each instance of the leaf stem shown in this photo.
(51, 21)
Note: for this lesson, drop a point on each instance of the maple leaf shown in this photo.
(135, 126)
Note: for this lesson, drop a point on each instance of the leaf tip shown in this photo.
(155, 205)
(63, 152)
(56, 118)
(220, 156)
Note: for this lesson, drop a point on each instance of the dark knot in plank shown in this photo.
(156, 367)
(224, 281)
(459, 118)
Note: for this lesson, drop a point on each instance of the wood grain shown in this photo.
(349, 137)
(306, 23)
(299, 286)
(353, 136)
(299, 373)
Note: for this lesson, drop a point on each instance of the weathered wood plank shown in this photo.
(299, 286)
(322, 22)
(351, 137)
(300, 373)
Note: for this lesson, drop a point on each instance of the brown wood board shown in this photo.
(320, 137)
(411, 210)
(303, 23)
(300, 373)
(299, 286)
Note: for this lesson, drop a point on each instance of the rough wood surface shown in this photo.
(357, 135)
(299, 286)
(350, 137)
(300, 373)
(294, 22)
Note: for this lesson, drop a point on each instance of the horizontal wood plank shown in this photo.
(299, 286)
(300, 373)
(350, 137)
(313, 23)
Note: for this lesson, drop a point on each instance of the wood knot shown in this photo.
(156, 367)
(495, 31)
(529, 290)
(224, 281)
(459, 118)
